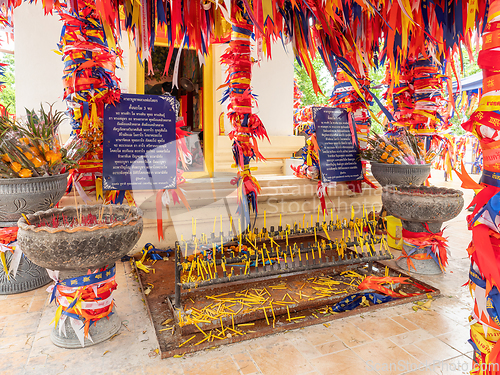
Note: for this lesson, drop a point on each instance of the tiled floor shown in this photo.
(394, 340)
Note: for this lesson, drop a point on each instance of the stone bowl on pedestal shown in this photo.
(400, 174)
(26, 196)
(422, 209)
(83, 238)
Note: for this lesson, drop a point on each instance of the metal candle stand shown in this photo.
(294, 264)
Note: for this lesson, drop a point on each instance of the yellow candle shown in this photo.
(312, 220)
(315, 238)
(231, 223)
(239, 225)
(210, 270)
(324, 213)
(280, 220)
(265, 219)
(319, 251)
(304, 221)
(356, 249)
(368, 248)
(186, 253)
(300, 257)
(190, 270)
(352, 212)
(286, 234)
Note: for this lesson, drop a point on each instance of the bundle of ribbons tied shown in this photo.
(84, 300)
(433, 243)
(484, 250)
(8, 243)
(376, 284)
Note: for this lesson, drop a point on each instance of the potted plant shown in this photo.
(33, 177)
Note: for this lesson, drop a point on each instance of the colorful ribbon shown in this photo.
(434, 242)
(84, 300)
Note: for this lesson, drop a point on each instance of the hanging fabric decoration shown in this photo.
(247, 126)
(484, 250)
(417, 99)
(89, 51)
(355, 100)
(346, 96)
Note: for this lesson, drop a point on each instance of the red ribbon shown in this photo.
(424, 239)
(409, 258)
(373, 282)
(8, 235)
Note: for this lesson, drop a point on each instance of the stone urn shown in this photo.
(422, 210)
(26, 196)
(76, 242)
(400, 174)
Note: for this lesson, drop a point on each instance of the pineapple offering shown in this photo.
(31, 147)
(400, 147)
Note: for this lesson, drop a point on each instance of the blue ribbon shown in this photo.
(490, 178)
(354, 300)
(414, 248)
(493, 298)
(99, 277)
(153, 251)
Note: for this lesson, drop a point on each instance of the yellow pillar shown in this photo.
(139, 89)
(209, 125)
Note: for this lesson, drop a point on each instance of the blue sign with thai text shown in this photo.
(339, 158)
(139, 151)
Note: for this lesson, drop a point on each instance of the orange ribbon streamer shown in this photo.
(409, 258)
